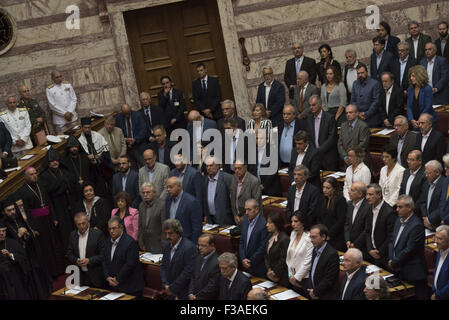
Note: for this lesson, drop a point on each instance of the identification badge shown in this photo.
(176, 103)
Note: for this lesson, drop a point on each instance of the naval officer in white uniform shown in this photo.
(62, 101)
(17, 121)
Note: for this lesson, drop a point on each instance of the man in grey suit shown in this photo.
(154, 172)
(354, 132)
(216, 191)
(244, 186)
(151, 217)
(403, 139)
(303, 91)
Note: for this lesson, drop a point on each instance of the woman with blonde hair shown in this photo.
(260, 120)
(419, 95)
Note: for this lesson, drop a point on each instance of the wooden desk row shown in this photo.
(16, 179)
(88, 294)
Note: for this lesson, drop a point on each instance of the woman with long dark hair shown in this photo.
(327, 60)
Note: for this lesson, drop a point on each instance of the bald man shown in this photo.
(133, 126)
(155, 172)
(153, 116)
(37, 115)
(414, 177)
(196, 132)
(298, 63)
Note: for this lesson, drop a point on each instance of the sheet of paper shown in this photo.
(112, 296)
(289, 294)
(63, 136)
(97, 114)
(76, 290)
(208, 227)
(264, 197)
(76, 128)
(436, 106)
(1, 180)
(372, 268)
(385, 132)
(13, 169)
(26, 157)
(284, 170)
(247, 274)
(429, 233)
(333, 175)
(283, 203)
(148, 256)
(340, 173)
(46, 148)
(267, 284)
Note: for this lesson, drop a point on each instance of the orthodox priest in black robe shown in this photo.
(17, 228)
(77, 168)
(13, 284)
(41, 219)
(57, 185)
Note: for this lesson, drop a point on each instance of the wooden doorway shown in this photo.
(171, 40)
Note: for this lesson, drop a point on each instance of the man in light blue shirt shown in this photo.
(286, 143)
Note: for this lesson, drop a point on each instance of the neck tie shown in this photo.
(128, 123)
(301, 98)
(297, 66)
(149, 120)
(204, 85)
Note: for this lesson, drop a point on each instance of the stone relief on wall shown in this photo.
(7, 31)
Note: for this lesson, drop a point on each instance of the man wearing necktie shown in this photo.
(406, 248)
(152, 115)
(302, 92)
(206, 93)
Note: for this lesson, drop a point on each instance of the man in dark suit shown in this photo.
(253, 239)
(171, 101)
(391, 42)
(417, 40)
(325, 268)
(440, 286)
(204, 284)
(287, 130)
(229, 112)
(322, 129)
(365, 95)
(206, 93)
(414, 177)
(121, 265)
(358, 208)
(133, 127)
(190, 177)
(271, 93)
(354, 132)
(429, 199)
(177, 261)
(444, 199)
(235, 144)
(441, 42)
(296, 64)
(234, 285)
(216, 191)
(381, 59)
(402, 139)
(305, 154)
(438, 74)
(350, 71)
(430, 141)
(302, 92)
(151, 114)
(406, 248)
(85, 250)
(184, 207)
(162, 146)
(402, 65)
(379, 226)
(151, 217)
(391, 100)
(353, 282)
(302, 196)
(127, 180)
(196, 127)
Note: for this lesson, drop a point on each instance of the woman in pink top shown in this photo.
(129, 216)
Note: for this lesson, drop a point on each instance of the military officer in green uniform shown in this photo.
(37, 115)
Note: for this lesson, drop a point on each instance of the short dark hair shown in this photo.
(126, 156)
(386, 26)
(303, 217)
(159, 127)
(201, 64)
(85, 185)
(165, 77)
(302, 135)
(391, 150)
(361, 65)
(379, 39)
(211, 238)
(276, 218)
(445, 23)
(324, 231)
(232, 121)
(123, 195)
(391, 75)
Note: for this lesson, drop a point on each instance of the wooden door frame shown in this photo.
(116, 9)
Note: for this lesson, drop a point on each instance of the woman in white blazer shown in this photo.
(357, 171)
(299, 253)
(390, 175)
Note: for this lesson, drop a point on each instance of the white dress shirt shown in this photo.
(114, 246)
(415, 47)
(267, 92)
(403, 64)
(301, 156)
(430, 65)
(298, 195)
(351, 76)
(443, 256)
(361, 173)
(424, 139)
(349, 278)
(401, 228)
(82, 244)
(356, 209)
(375, 215)
(387, 99)
(410, 180)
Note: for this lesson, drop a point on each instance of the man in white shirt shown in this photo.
(353, 282)
(414, 177)
(440, 288)
(17, 121)
(62, 102)
(430, 141)
(358, 208)
(350, 71)
(429, 201)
